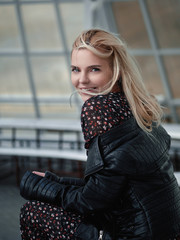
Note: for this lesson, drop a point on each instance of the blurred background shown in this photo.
(35, 88)
(35, 44)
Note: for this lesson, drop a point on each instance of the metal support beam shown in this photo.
(27, 58)
(98, 14)
(52, 53)
(62, 35)
(159, 60)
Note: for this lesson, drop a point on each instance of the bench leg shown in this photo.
(17, 171)
(80, 169)
(50, 165)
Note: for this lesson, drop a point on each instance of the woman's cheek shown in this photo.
(73, 81)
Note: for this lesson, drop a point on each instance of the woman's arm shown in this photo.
(100, 192)
(65, 180)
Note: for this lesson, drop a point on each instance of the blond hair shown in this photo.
(144, 106)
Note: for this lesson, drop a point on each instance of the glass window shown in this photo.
(178, 111)
(130, 23)
(166, 21)
(58, 110)
(13, 77)
(51, 76)
(9, 34)
(150, 74)
(41, 26)
(172, 64)
(17, 110)
(72, 15)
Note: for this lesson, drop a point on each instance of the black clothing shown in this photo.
(129, 190)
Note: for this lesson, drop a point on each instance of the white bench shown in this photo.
(40, 132)
(70, 154)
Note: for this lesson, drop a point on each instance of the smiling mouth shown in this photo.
(86, 90)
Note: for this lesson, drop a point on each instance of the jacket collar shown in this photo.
(94, 160)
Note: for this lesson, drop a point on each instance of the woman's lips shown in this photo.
(87, 89)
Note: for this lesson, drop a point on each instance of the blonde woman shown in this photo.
(129, 190)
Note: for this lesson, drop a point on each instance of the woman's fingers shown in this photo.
(42, 174)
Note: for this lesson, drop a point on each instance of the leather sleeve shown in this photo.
(34, 187)
(65, 180)
(100, 192)
(103, 186)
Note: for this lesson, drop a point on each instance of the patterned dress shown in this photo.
(42, 221)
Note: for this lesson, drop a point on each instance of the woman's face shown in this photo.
(89, 72)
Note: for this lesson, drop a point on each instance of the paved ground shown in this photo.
(10, 204)
(11, 201)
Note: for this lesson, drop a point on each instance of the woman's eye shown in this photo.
(95, 69)
(75, 69)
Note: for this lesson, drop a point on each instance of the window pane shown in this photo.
(51, 76)
(167, 115)
(130, 23)
(13, 77)
(9, 34)
(178, 112)
(17, 110)
(172, 64)
(151, 75)
(59, 111)
(72, 15)
(166, 20)
(41, 26)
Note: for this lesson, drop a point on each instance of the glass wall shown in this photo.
(152, 30)
(35, 44)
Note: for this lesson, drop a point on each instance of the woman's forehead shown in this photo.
(86, 56)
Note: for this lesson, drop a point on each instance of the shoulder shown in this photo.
(127, 149)
(116, 100)
(104, 112)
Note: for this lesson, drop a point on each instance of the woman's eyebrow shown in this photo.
(91, 66)
(94, 66)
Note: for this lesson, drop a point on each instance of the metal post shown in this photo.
(158, 58)
(98, 13)
(27, 58)
(88, 14)
(64, 42)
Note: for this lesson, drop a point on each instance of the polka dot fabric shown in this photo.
(103, 112)
(42, 221)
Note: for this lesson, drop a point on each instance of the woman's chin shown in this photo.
(85, 96)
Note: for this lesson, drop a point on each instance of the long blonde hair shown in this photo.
(144, 106)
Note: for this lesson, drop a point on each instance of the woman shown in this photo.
(129, 190)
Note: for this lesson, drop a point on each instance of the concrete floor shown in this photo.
(11, 201)
(10, 204)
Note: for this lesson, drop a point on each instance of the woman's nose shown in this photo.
(83, 78)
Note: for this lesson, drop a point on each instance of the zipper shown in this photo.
(100, 235)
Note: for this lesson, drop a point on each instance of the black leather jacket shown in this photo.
(129, 190)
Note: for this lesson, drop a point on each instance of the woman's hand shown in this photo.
(34, 186)
(39, 173)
